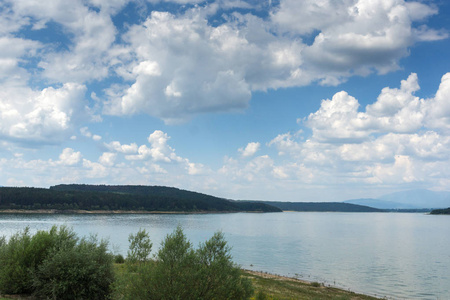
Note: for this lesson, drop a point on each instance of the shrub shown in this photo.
(83, 271)
(15, 264)
(55, 264)
(180, 272)
(119, 259)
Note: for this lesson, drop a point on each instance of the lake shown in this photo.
(394, 255)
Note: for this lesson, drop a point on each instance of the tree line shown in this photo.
(127, 198)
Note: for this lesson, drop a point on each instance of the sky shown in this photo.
(284, 100)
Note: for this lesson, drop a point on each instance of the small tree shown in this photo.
(220, 277)
(175, 268)
(180, 272)
(140, 247)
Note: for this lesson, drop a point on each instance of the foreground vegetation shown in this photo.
(56, 264)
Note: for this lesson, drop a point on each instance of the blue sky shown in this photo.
(276, 100)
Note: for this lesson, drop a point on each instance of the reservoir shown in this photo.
(393, 255)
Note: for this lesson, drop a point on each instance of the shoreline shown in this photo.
(335, 291)
(91, 212)
(275, 276)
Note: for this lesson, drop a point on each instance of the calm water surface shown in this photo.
(401, 256)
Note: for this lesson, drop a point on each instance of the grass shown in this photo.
(269, 287)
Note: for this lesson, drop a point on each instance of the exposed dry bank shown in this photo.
(270, 286)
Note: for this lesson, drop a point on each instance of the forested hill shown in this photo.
(322, 206)
(124, 198)
(445, 211)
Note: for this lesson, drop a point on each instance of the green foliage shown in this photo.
(175, 268)
(15, 264)
(180, 272)
(82, 271)
(140, 247)
(119, 259)
(220, 278)
(55, 264)
(261, 295)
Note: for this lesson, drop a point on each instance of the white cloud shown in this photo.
(85, 132)
(399, 139)
(250, 149)
(176, 66)
(69, 157)
(48, 115)
(355, 37)
(396, 111)
(125, 149)
(183, 66)
(92, 34)
(107, 159)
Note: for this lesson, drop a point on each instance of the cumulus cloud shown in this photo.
(125, 149)
(398, 139)
(355, 37)
(159, 150)
(395, 111)
(48, 115)
(69, 157)
(184, 66)
(176, 66)
(107, 159)
(250, 149)
(92, 36)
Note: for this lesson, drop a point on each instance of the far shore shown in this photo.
(80, 211)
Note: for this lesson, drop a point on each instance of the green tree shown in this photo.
(180, 272)
(175, 268)
(140, 247)
(220, 277)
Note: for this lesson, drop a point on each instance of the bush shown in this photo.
(20, 256)
(180, 272)
(55, 264)
(119, 259)
(15, 264)
(84, 271)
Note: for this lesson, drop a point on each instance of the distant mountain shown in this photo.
(412, 199)
(321, 206)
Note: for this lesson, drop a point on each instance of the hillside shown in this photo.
(445, 211)
(124, 198)
(321, 206)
